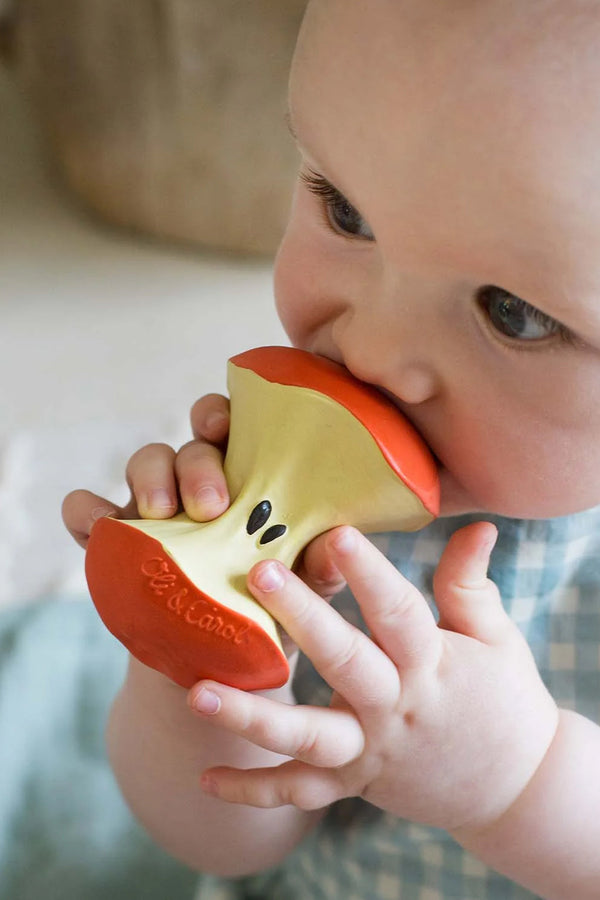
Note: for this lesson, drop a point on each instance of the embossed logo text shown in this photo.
(165, 585)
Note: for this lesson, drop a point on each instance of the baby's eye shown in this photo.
(517, 319)
(347, 218)
(341, 215)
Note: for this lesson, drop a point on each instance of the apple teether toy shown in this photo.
(310, 447)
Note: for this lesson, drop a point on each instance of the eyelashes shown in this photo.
(339, 214)
(318, 185)
(518, 320)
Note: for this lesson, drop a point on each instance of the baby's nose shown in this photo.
(378, 353)
(414, 382)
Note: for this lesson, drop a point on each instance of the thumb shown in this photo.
(468, 602)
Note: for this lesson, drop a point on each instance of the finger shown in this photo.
(210, 419)
(151, 478)
(202, 485)
(292, 783)
(468, 602)
(395, 612)
(317, 570)
(81, 509)
(319, 736)
(346, 658)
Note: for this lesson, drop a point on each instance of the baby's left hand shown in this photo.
(443, 724)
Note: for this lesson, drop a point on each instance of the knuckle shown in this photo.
(209, 411)
(309, 748)
(306, 795)
(292, 792)
(158, 448)
(344, 660)
(149, 453)
(259, 726)
(71, 503)
(209, 402)
(192, 450)
(247, 723)
(197, 451)
(258, 789)
(301, 799)
(185, 448)
(304, 613)
(397, 606)
(197, 465)
(258, 729)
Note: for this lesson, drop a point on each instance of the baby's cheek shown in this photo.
(288, 290)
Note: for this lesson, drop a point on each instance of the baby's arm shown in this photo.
(548, 839)
(157, 747)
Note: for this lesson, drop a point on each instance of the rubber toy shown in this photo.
(310, 447)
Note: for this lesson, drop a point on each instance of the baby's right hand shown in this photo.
(163, 481)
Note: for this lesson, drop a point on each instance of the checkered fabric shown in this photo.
(548, 573)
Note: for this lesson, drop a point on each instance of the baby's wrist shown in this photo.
(488, 832)
(547, 840)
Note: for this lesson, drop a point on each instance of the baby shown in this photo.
(441, 246)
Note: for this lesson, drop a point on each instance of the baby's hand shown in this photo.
(440, 724)
(163, 482)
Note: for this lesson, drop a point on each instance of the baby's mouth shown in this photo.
(454, 499)
(406, 413)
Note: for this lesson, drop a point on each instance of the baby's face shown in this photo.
(444, 242)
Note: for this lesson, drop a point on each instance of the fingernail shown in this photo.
(157, 501)
(209, 785)
(268, 577)
(102, 512)
(207, 497)
(206, 702)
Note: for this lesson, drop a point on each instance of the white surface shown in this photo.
(106, 340)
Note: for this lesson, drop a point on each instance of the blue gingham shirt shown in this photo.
(548, 573)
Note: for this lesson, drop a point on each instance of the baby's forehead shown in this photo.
(517, 27)
(461, 115)
(529, 61)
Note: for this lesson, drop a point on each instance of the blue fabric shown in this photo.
(65, 833)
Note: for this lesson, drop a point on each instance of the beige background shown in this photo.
(106, 340)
